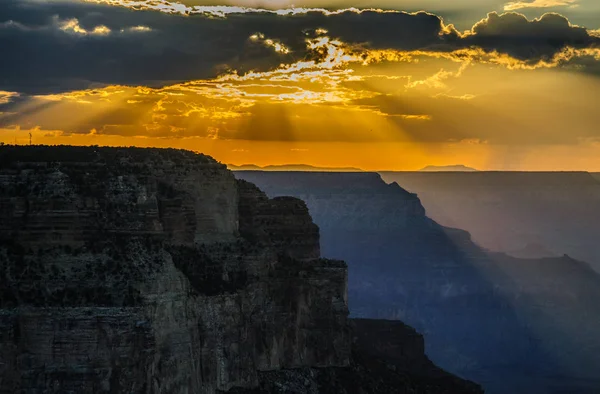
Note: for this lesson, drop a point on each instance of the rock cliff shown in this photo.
(155, 271)
(141, 270)
(281, 221)
(387, 357)
(513, 325)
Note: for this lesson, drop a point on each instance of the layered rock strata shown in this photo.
(387, 357)
(155, 271)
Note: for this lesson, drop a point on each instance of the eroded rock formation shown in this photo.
(387, 357)
(513, 325)
(281, 221)
(129, 270)
(145, 270)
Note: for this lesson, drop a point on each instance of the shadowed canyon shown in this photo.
(524, 214)
(513, 325)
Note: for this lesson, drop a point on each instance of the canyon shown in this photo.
(157, 271)
(524, 214)
(511, 324)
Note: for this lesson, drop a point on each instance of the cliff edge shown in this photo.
(512, 325)
(132, 270)
(156, 271)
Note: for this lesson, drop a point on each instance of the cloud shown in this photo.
(529, 40)
(55, 47)
(277, 46)
(73, 26)
(7, 97)
(172, 7)
(42, 56)
(519, 110)
(517, 5)
(263, 110)
(436, 81)
(465, 96)
(305, 76)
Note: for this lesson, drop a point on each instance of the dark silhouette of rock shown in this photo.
(155, 271)
(283, 222)
(387, 357)
(513, 325)
(127, 270)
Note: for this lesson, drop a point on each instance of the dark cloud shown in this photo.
(40, 57)
(542, 38)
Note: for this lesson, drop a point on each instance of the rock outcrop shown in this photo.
(282, 221)
(155, 271)
(151, 271)
(513, 325)
(387, 357)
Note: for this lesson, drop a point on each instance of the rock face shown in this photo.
(68, 200)
(281, 221)
(129, 270)
(155, 271)
(509, 211)
(387, 357)
(513, 325)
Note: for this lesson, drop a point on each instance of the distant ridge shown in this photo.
(515, 325)
(532, 250)
(451, 168)
(291, 167)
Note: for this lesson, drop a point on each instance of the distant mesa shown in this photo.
(451, 168)
(291, 167)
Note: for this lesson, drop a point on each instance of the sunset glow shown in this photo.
(371, 87)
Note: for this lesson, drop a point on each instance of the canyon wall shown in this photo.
(524, 214)
(387, 357)
(155, 271)
(513, 325)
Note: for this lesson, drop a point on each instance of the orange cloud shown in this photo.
(517, 5)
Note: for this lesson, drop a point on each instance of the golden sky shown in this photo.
(374, 88)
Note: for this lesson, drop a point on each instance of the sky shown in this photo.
(374, 84)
